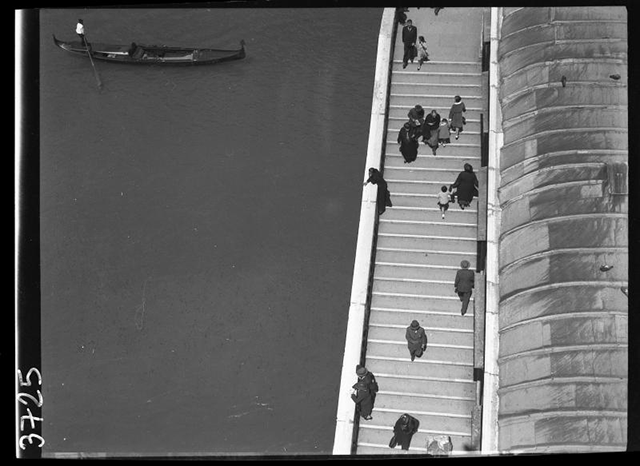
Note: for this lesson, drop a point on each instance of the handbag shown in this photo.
(464, 120)
(393, 442)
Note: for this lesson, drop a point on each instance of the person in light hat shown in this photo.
(463, 284)
(416, 340)
(80, 31)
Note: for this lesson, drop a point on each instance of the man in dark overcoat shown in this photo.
(463, 284)
(416, 340)
(361, 395)
(409, 39)
(369, 380)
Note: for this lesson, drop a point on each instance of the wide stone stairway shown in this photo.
(418, 252)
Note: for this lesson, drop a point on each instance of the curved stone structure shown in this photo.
(564, 215)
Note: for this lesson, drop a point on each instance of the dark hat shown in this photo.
(464, 264)
(415, 324)
(361, 371)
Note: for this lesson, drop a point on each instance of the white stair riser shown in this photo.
(396, 336)
(448, 321)
(452, 306)
(442, 228)
(424, 258)
(393, 350)
(443, 243)
(419, 368)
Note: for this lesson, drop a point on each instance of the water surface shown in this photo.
(198, 230)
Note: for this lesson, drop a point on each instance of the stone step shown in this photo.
(427, 168)
(407, 402)
(439, 351)
(419, 227)
(446, 243)
(399, 271)
(396, 122)
(426, 75)
(425, 385)
(423, 256)
(434, 322)
(437, 368)
(466, 145)
(420, 188)
(373, 439)
(422, 200)
(445, 89)
(400, 111)
(431, 213)
(439, 66)
(419, 286)
(434, 101)
(392, 136)
(444, 304)
(437, 336)
(407, 186)
(450, 423)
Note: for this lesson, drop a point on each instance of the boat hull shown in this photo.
(152, 54)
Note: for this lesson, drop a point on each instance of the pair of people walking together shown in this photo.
(414, 45)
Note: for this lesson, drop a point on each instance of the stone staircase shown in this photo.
(417, 256)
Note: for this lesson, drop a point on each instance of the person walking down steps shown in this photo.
(465, 186)
(443, 200)
(444, 133)
(423, 55)
(361, 395)
(416, 340)
(409, 39)
(430, 130)
(403, 431)
(416, 120)
(408, 144)
(384, 196)
(463, 285)
(369, 380)
(456, 115)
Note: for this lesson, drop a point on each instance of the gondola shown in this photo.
(151, 54)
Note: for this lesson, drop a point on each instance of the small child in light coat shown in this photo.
(443, 200)
(423, 55)
(444, 133)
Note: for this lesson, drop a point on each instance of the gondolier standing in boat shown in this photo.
(80, 32)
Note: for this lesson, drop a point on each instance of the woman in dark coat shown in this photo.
(430, 130)
(466, 186)
(408, 145)
(384, 196)
(416, 120)
(456, 117)
(416, 339)
(361, 395)
(403, 431)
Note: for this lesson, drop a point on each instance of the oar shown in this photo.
(95, 71)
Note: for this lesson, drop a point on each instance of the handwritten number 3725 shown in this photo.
(38, 402)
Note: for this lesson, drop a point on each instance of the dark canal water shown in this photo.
(198, 230)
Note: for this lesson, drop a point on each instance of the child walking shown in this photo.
(443, 200)
(423, 55)
(444, 133)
